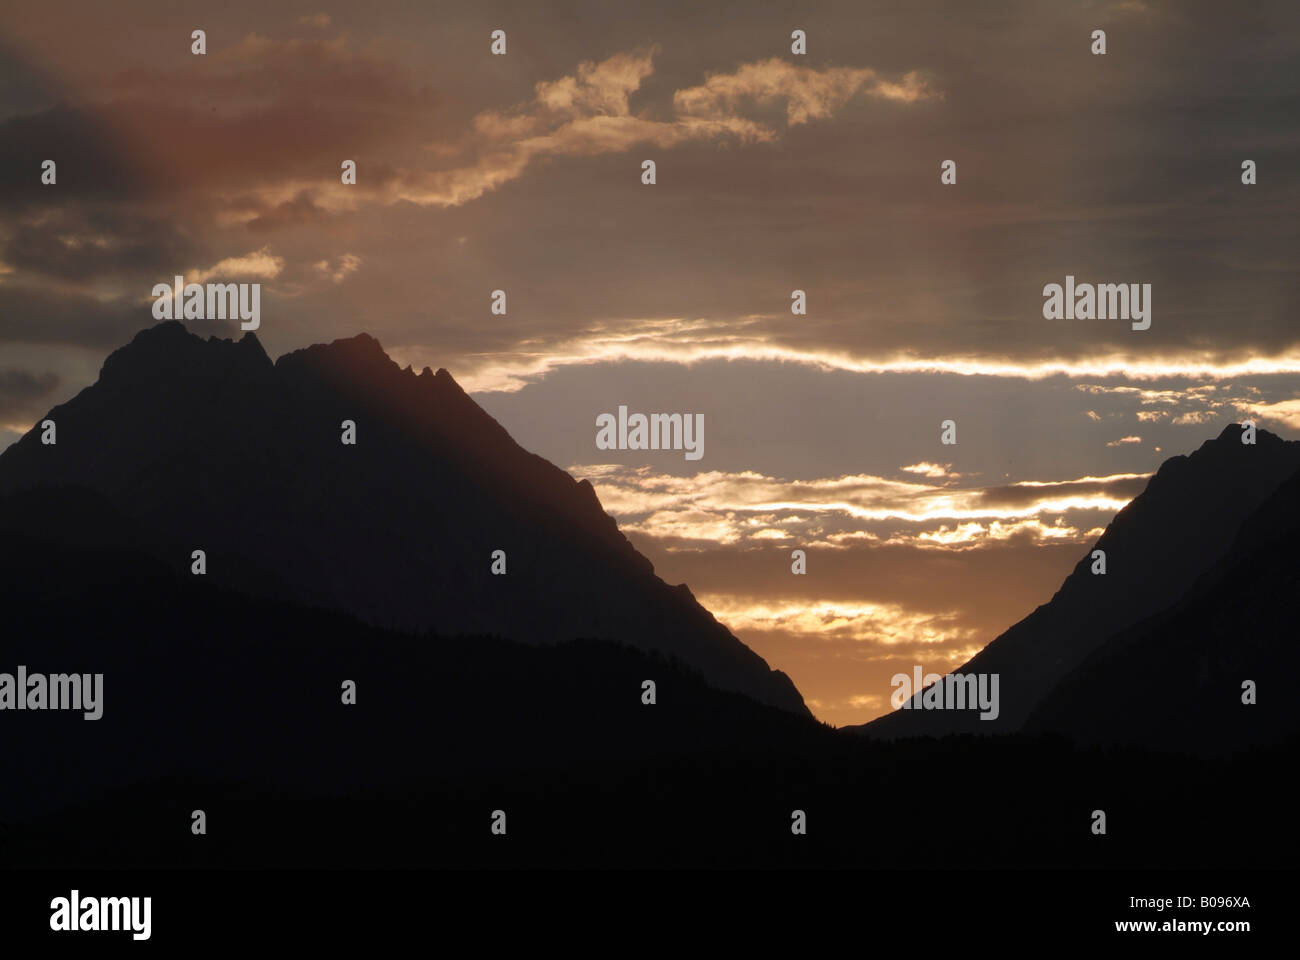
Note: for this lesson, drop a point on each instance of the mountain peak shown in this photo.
(361, 343)
(251, 346)
(444, 378)
(1231, 435)
(168, 349)
(358, 352)
(1221, 453)
(207, 442)
(1156, 549)
(1228, 432)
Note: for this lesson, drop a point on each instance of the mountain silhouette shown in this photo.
(219, 701)
(222, 692)
(208, 445)
(1161, 544)
(1176, 680)
(205, 682)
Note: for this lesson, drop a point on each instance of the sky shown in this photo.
(774, 172)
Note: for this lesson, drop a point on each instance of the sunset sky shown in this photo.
(775, 172)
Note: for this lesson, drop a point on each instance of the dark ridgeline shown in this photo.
(330, 563)
(1192, 603)
(1174, 681)
(208, 445)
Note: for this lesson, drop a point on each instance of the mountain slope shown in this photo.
(1156, 548)
(209, 445)
(1175, 681)
(209, 683)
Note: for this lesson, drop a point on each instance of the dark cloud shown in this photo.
(73, 243)
(91, 161)
(1118, 168)
(43, 316)
(47, 316)
(1015, 495)
(21, 391)
(300, 210)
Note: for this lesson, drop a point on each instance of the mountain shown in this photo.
(221, 700)
(1175, 681)
(208, 445)
(218, 701)
(1167, 538)
(205, 683)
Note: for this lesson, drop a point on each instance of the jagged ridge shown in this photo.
(207, 444)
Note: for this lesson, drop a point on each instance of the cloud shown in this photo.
(59, 315)
(873, 624)
(139, 135)
(243, 147)
(861, 615)
(1190, 405)
(173, 164)
(689, 340)
(931, 470)
(872, 701)
(151, 184)
(1120, 488)
(1286, 412)
(81, 244)
(808, 94)
(343, 267)
(22, 393)
(259, 264)
(747, 509)
(975, 533)
(263, 217)
(588, 113)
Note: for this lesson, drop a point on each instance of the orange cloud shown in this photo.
(808, 94)
(1285, 411)
(261, 264)
(692, 340)
(747, 508)
(588, 113)
(874, 624)
(932, 470)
